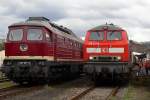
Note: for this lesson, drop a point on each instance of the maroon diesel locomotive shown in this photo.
(39, 49)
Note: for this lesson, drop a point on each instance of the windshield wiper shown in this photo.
(110, 38)
(99, 40)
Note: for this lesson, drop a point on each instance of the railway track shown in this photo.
(92, 88)
(77, 97)
(144, 77)
(113, 93)
(17, 89)
(4, 80)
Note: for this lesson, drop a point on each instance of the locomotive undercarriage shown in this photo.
(33, 71)
(63, 70)
(107, 70)
(21, 71)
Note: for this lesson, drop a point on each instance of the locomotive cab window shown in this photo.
(15, 35)
(114, 35)
(34, 34)
(96, 36)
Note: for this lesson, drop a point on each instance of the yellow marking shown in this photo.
(30, 57)
(69, 59)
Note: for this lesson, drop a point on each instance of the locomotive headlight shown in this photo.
(119, 58)
(90, 58)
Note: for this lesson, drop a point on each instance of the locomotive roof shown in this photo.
(106, 26)
(42, 21)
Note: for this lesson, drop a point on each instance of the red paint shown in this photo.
(106, 44)
(60, 47)
(147, 63)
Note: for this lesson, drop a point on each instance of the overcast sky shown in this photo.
(81, 15)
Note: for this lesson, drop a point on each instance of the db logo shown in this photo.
(104, 50)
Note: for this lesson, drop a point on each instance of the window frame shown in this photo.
(48, 39)
(40, 28)
(8, 37)
(49, 33)
(103, 38)
(120, 32)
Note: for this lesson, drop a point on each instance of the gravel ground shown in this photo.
(60, 92)
(138, 90)
(67, 90)
(102, 91)
(120, 94)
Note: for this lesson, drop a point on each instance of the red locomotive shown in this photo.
(147, 65)
(39, 49)
(106, 52)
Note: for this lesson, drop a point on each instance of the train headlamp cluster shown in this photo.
(113, 58)
(8, 63)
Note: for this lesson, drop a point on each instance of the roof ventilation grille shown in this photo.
(37, 19)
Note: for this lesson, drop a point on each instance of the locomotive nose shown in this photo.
(25, 49)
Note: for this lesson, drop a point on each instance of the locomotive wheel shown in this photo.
(113, 76)
(95, 77)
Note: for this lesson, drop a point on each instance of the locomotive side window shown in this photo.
(34, 34)
(114, 36)
(96, 36)
(48, 37)
(16, 35)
